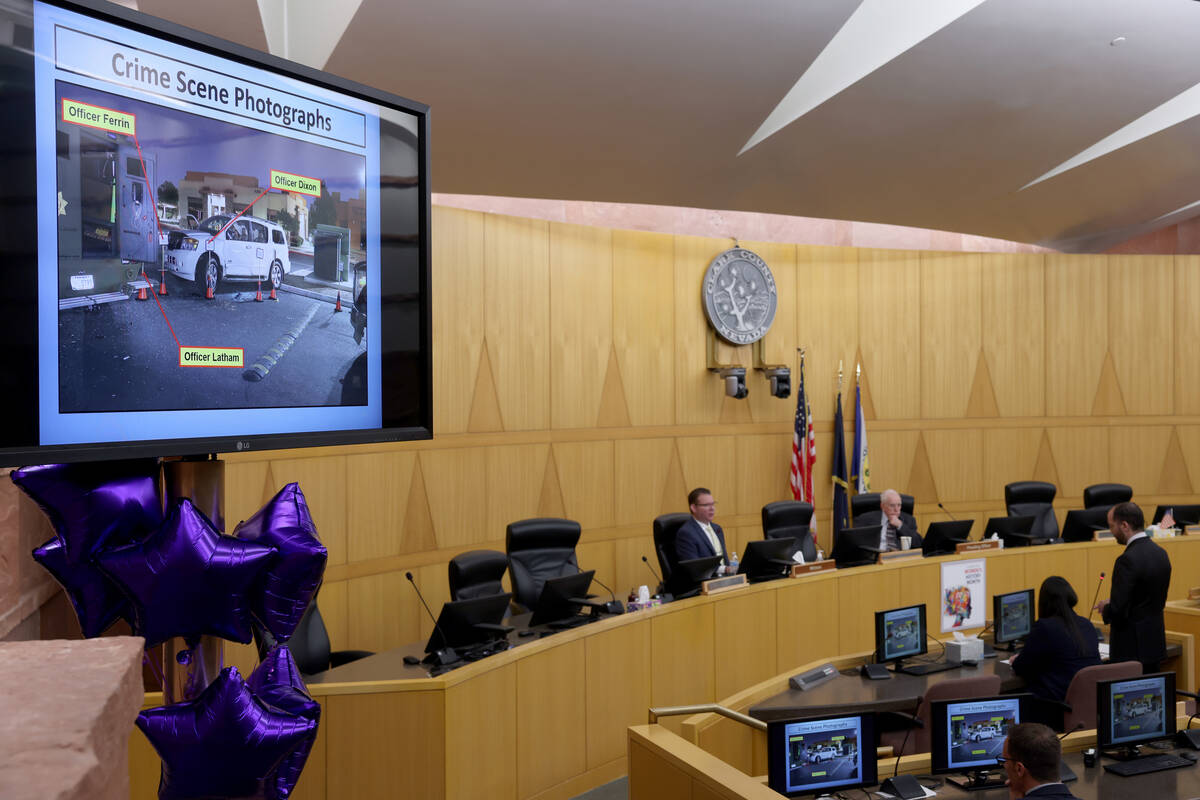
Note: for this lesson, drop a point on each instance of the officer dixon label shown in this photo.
(211, 357)
(288, 182)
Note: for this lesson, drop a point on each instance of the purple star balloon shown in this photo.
(290, 581)
(92, 506)
(277, 682)
(225, 743)
(187, 579)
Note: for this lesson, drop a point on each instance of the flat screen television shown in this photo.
(818, 755)
(158, 182)
(967, 737)
(1134, 711)
(899, 634)
(1012, 615)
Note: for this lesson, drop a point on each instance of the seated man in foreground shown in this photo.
(1031, 760)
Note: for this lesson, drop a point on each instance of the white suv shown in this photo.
(825, 753)
(222, 248)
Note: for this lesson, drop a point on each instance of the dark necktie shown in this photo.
(893, 538)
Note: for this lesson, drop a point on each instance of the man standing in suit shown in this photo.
(1031, 755)
(893, 523)
(700, 537)
(1140, 581)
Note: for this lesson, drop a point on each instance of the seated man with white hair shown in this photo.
(893, 523)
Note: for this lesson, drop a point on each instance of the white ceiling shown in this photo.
(938, 112)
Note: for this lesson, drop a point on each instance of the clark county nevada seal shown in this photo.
(739, 296)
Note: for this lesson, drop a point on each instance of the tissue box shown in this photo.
(961, 650)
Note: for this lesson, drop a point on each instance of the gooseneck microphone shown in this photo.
(653, 572)
(446, 654)
(948, 514)
(1078, 726)
(613, 606)
(1096, 597)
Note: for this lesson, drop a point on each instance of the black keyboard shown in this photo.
(928, 668)
(1145, 764)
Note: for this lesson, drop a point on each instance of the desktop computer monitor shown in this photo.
(1184, 515)
(899, 634)
(687, 576)
(1133, 711)
(967, 736)
(855, 547)
(1013, 615)
(1015, 531)
(467, 622)
(767, 559)
(561, 598)
(1082, 524)
(942, 538)
(818, 755)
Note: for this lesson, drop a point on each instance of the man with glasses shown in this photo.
(700, 537)
(1031, 760)
(893, 523)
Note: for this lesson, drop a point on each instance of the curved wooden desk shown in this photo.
(548, 719)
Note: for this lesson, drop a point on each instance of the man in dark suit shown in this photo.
(700, 537)
(1140, 580)
(893, 523)
(1031, 755)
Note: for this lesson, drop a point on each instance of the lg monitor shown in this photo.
(1012, 615)
(942, 538)
(899, 634)
(1134, 711)
(463, 623)
(561, 598)
(819, 755)
(968, 737)
(156, 177)
(1082, 524)
(856, 547)
(767, 559)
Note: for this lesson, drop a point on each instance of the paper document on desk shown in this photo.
(1104, 651)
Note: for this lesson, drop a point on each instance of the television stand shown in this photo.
(978, 779)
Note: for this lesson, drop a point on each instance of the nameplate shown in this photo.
(1194, 593)
(899, 555)
(816, 566)
(1103, 536)
(975, 547)
(725, 584)
(1191, 530)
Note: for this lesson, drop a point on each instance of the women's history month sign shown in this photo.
(964, 595)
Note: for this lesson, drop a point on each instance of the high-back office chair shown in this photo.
(955, 689)
(309, 644)
(477, 573)
(869, 501)
(790, 519)
(1106, 494)
(665, 529)
(1080, 700)
(1034, 499)
(538, 549)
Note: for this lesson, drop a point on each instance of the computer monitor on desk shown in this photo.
(899, 634)
(465, 623)
(968, 737)
(1014, 531)
(561, 599)
(816, 756)
(1133, 711)
(1012, 615)
(689, 574)
(942, 538)
(1082, 524)
(766, 559)
(855, 547)
(1184, 515)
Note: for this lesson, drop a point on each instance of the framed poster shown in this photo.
(964, 594)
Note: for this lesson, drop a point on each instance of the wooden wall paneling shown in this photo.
(1006, 574)
(956, 459)
(482, 760)
(246, 490)
(434, 582)
(826, 321)
(1065, 562)
(1076, 332)
(949, 315)
(1136, 457)
(628, 569)
(699, 395)
(1185, 564)
(1141, 331)
(456, 499)
(779, 345)
(642, 467)
(1009, 455)
(1187, 334)
(597, 554)
(891, 455)
(581, 322)
(1081, 454)
(145, 768)
(586, 479)
(875, 589)
(803, 613)
(644, 323)
(516, 306)
(383, 612)
(1100, 558)
(920, 583)
(1189, 441)
(651, 776)
(514, 486)
(333, 599)
(736, 538)
(323, 481)
(551, 720)
(763, 464)
(378, 742)
(312, 783)
(617, 689)
(1014, 331)
(682, 671)
(889, 331)
(377, 491)
(458, 314)
(711, 461)
(242, 656)
(745, 629)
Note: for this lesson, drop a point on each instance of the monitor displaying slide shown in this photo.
(972, 732)
(813, 756)
(899, 633)
(1137, 710)
(1013, 615)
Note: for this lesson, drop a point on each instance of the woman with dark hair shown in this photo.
(1060, 644)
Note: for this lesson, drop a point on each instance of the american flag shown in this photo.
(804, 447)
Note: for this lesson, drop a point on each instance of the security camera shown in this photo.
(781, 381)
(735, 382)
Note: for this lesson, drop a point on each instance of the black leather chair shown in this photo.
(539, 548)
(791, 519)
(477, 573)
(309, 644)
(1034, 499)
(1106, 494)
(665, 529)
(869, 501)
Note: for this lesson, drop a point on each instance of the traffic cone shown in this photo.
(141, 295)
(272, 296)
(258, 294)
(208, 293)
(162, 284)
(338, 307)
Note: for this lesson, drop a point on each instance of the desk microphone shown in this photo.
(1078, 726)
(657, 577)
(613, 606)
(1096, 597)
(445, 655)
(948, 514)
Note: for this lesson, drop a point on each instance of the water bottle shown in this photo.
(733, 563)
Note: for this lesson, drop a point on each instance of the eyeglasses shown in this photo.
(713, 504)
